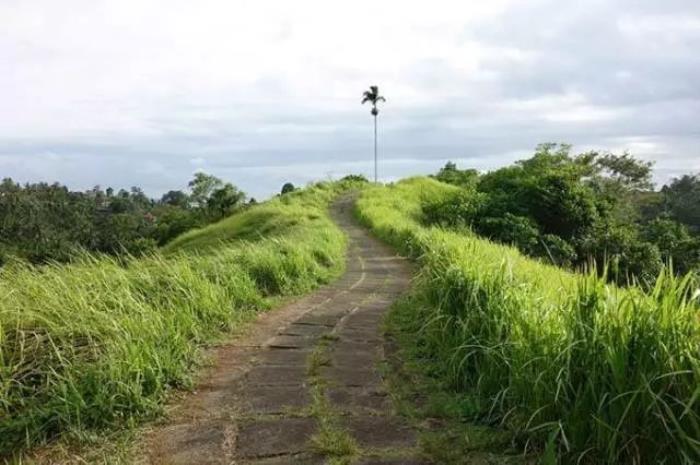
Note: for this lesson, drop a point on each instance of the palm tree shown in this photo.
(372, 96)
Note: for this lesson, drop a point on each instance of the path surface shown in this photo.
(305, 382)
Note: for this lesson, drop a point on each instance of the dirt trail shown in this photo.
(305, 381)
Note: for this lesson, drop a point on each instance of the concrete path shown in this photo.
(305, 386)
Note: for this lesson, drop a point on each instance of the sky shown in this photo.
(145, 93)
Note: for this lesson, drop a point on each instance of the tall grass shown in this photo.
(98, 343)
(591, 372)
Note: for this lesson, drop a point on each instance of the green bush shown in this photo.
(626, 257)
(451, 175)
(354, 179)
(674, 242)
(462, 207)
(510, 229)
(559, 251)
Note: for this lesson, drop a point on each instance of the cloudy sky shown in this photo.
(145, 92)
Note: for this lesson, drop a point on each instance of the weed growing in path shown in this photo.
(331, 440)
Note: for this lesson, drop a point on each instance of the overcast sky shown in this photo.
(138, 92)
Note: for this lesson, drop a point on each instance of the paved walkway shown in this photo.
(305, 387)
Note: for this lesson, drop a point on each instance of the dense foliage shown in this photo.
(575, 211)
(287, 187)
(99, 341)
(585, 371)
(47, 222)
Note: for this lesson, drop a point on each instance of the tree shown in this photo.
(576, 209)
(354, 178)
(561, 206)
(224, 200)
(287, 188)
(372, 96)
(626, 170)
(451, 175)
(46, 222)
(682, 200)
(519, 231)
(176, 199)
(458, 209)
(202, 186)
(674, 242)
(140, 199)
(173, 221)
(618, 181)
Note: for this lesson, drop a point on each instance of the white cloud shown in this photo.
(124, 89)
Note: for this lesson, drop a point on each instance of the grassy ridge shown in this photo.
(591, 372)
(98, 343)
(263, 221)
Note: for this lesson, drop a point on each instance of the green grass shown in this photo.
(588, 372)
(263, 221)
(446, 418)
(98, 343)
(331, 440)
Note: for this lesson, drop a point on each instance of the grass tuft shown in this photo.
(334, 442)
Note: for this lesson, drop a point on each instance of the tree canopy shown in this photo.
(580, 209)
(287, 188)
(41, 222)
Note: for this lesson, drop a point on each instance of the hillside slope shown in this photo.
(590, 372)
(98, 343)
(275, 218)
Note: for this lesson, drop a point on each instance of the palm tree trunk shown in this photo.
(375, 149)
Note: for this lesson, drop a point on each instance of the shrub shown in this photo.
(557, 250)
(510, 229)
(354, 178)
(287, 188)
(461, 208)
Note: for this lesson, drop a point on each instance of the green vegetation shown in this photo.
(263, 221)
(586, 371)
(575, 211)
(98, 342)
(43, 223)
(287, 187)
(412, 375)
(331, 440)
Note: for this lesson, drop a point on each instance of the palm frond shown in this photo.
(372, 95)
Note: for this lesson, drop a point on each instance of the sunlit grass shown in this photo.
(604, 374)
(99, 342)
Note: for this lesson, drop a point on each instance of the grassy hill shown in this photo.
(580, 369)
(587, 371)
(270, 219)
(99, 342)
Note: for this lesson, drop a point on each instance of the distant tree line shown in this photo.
(47, 222)
(578, 210)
